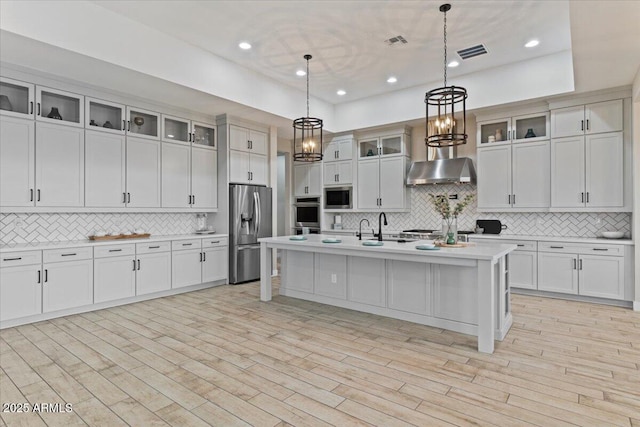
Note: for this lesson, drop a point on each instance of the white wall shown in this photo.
(636, 182)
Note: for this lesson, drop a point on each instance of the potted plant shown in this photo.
(449, 216)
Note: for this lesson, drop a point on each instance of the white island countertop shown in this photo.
(37, 246)
(489, 251)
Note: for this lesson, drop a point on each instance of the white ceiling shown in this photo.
(114, 44)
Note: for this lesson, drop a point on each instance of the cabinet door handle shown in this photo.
(138, 265)
(574, 264)
(31, 191)
(514, 199)
(582, 197)
(31, 112)
(128, 125)
(582, 125)
(128, 197)
(600, 249)
(188, 137)
(12, 259)
(38, 109)
(248, 176)
(115, 250)
(580, 264)
(189, 202)
(72, 254)
(556, 247)
(335, 155)
(508, 199)
(587, 124)
(124, 125)
(204, 256)
(251, 175)
(194, 199)
(187, 244)
(154, 247)
(200, 256)
(38, 198)
(124, 197)
(134, 265)
(520, 246)
(213, 242)
(587, 197)
(46, 275)
(39, 276)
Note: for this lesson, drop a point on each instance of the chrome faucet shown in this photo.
(382, 214)
(360, 227)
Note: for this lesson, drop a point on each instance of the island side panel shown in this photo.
(486, 306)
(265, 272)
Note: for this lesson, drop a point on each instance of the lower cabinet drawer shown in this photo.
(183, 245)
(109, 251)
(213, 242)
(12, 259)
(70, 254)
(151, 247)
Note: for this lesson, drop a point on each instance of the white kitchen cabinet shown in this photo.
(247, 168)
(601, 117)
(307, 179)
(247, 140)
(215, 264)
(153, 271)
(105, 116)
(366, 278)
(338, 173)
(409, 287)
(587, 172)
(143, 173)
(523, 269)
(204, 135)
(176, 175)
(186, 268)
(601, 276)
(381, 183)
(59, 166)
(523, 128)
(20, 97)
(338, 149)
(105, 172)
(60, 107)
(330, 275)
(514, 176)
(387, 145)
(114, 278)
(17, 162)
(298, 271)
(143, 124)
(368, 184)
(67, 284)
(204, 177)
(177, 130)
(20, 289)
(558, 272)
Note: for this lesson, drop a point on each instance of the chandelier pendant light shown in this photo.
(307, 133)
(447, 107)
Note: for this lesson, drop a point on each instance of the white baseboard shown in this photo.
(636, 306)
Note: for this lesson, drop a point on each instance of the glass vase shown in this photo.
(450, 230)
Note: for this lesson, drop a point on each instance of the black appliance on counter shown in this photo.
(491, 226)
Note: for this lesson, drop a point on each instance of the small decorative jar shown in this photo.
(54, 114)
(530, 133)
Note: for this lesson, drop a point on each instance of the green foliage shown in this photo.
(441, 203)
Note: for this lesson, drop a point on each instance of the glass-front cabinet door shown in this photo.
(494, 132)
(532, 127)
(368, 147)
(57, 106)
(175, 129)
(204, 135)
(390, 145)
(104, 116)
(16, 98)
(143, 123)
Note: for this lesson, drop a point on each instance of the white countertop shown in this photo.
(352, 244)
(82, 243)
(600, 240)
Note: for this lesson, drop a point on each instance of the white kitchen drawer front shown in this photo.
(560, 247)
(522, 245)
(114, 250)
(151, 247)
(12, 259)
(604, 249)
(70, 254)
(181, 245)
(211, 242)
(581, 248)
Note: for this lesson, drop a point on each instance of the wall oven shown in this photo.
(307, 212)
(338, 198)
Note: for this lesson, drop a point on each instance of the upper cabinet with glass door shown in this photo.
(175, 129)
(143, 123)
(384, 146)
(526, 128)
(105, 116)
(204, 135)
(16, 98)
(57, 106)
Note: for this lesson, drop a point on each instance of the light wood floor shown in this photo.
(221, 357)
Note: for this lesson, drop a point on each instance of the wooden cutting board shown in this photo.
(455, 245)
(120, 236)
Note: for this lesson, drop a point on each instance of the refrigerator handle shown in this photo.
(256, 199)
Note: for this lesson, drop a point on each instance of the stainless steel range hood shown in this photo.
(445, 169)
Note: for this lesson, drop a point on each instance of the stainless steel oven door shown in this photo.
(307, 212)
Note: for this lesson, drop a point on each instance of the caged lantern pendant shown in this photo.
(307, 133)
(447, 107)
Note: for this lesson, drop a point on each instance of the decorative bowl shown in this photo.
(613, 234)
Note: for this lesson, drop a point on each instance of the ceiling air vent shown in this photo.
(395, 40)
(470, 52)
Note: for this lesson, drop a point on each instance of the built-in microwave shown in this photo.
(338, 197)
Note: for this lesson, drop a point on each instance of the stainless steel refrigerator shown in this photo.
(249, 220)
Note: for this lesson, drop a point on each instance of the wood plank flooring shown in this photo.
(221, 357)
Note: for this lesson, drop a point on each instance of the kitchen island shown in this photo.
(460, 289)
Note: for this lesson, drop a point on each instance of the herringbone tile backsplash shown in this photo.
(424, 216)
(29, 228)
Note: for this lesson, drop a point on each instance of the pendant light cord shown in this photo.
(445, 48)
(307, 87)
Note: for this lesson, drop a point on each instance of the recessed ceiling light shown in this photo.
(453, 64)
(301, 73)
(341, 92)
(532, 43)
(244, 46)
(392, 79)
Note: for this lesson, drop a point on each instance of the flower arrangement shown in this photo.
(442, 206)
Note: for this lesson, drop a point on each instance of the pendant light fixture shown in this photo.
(307, 133)
(447, 107)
